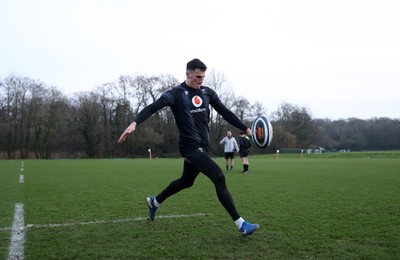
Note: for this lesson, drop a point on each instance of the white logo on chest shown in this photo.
(197, 101)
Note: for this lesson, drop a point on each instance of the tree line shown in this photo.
(39, 121)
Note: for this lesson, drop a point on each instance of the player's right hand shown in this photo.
(127, 132)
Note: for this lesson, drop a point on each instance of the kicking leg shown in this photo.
(208, 166)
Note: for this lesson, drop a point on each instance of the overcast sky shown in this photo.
(339, 59)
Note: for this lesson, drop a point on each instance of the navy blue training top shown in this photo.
(191, 109)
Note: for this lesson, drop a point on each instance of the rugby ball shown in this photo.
(261, 132)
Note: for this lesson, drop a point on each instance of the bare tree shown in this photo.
(258, 109)
(108, 102)
(89, 121)
(47, 120)
(16, 91)
(296, 121)
(242, 108)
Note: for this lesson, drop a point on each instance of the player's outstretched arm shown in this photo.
(127, 132)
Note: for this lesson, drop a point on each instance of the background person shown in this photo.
(230, 147)
(244, 146)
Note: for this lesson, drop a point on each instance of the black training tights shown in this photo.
(197, 162)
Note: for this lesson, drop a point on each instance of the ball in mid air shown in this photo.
(261, 131)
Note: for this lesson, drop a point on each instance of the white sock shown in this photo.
(239, 222)
(156, 202)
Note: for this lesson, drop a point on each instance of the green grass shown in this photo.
(362, 155)
(315, 208)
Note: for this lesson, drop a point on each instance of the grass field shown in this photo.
(322, 207)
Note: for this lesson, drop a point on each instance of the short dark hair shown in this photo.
(196, 64)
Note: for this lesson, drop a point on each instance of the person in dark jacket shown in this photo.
(244, 146)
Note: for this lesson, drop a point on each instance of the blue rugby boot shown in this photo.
(152, 208)
(248, 228)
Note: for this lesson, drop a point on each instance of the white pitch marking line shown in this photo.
(16, 249)
(21, 178)
(96, 222)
